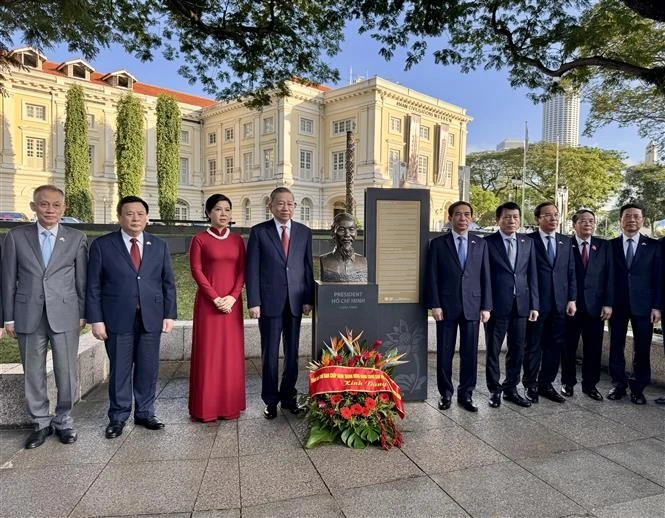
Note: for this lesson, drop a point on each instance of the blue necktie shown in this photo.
(47, 247)
(550, 251)
(511, 251)
(461, 251)
(630, 253)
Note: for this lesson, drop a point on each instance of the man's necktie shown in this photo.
(512, 256)
(550, 251)
(585, 254)
(630, 253)
(135, 254)
(461, 251)
(47, 247)
(285, 240)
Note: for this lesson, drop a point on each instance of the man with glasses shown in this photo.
(637, 299)
(557, 287)
(595, 297)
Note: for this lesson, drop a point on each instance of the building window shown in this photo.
(268, 163)
(247, 212)
(341, 127)
(181, 209)
(306, 164)
(184, 171)
(35, 111)
(91, 120)
(79, 71)
(228, 134)
(266, 204)
(451, 139)
(248, 130)
(449, 173)
(228, 169)
(423, 163)
(338, 165)
(91, 159)
(212, 171)
(268, 125)
(395, 125)
(212, 138)
(123, 82)
(35, 151)
(306, 211)
(30, 60)
(184, 137)
(247, 165)
(424, 132)
(306, 126)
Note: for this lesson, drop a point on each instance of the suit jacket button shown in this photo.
(138, 277)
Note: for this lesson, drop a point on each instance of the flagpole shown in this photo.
(526, 145)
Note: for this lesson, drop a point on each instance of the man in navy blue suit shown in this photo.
(661, 399)
(594, 272)
(512, 260)
(130, 301)
(557, 287)
(460, 294)
(637, 299)
(280, 288)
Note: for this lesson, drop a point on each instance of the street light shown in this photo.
(562, 203)
(517, 183)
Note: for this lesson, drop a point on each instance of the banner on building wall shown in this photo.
(414, 138)
(440, 177)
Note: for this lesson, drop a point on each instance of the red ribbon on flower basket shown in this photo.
(338, 378)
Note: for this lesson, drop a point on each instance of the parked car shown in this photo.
(13, 216)
(71, 220)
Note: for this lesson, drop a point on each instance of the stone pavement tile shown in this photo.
(649, 507)
(252, 383)
(220, 488)
(504, 489)
(305, 507)
(343, 468)
(226, 440)
(278, 476)
(182, 371)
(448, 449)
(645, 457)
(298, 425)
(587, 428)
(260, 436)
(91, 447)
(11, 442)
(160, 515)
(143, 488)
(222, 513)
(91, 412)
(254, 408)
(173, 410)
(519, 438)
(413, 497)
(99, 393)
(175, 388)
(44, 491)
(465, 418)
(188, 441)
(421, 416)
(168, 368)
(545, 407)
(648, 419)
(589, 479)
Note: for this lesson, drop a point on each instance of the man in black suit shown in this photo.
(515, 299)
(595, 295)
(661, 400)
(637, 298)
(460, 294)
(557, 288)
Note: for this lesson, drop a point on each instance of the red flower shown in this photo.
(330, 411)
(385, 398)
(346, 412)
(376, 345)
(378, 357)
(370, 403)
(352, 362)
(338, 359)
(356, 409)
(322, 403)
(365, 412)
(335, 399)
(366, 355)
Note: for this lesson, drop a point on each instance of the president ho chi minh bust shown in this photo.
(343, 264)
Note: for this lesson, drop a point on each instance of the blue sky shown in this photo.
(499, 111)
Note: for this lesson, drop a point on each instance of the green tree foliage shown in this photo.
(168, 154)
(484, 205)
(645, 184)
(129, 146)
(77, 168)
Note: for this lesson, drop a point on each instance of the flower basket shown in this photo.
(352, 396)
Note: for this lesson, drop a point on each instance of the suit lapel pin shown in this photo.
(521, 240)
(148, 243)
(561, 242)
(644, 244)
(473, 242)
(593, 247)
(62, 239)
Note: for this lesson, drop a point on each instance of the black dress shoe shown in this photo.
(444, 403)
(495, 399)
(593, 393)
(514, 397)
(467, 404)
(660, 400)
(37, 438)
(551, 394)
(638, 398)
(114, 429)
(293, 407)
(616, 393)
(270, 412)
(67, 436)
(151, 423)
(567, 390)
(532, 395)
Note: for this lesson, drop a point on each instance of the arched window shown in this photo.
(306, 206)
(247, 212)
(181, 209)
(267, 214)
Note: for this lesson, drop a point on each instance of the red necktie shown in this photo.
(585, 254)
(135, 254)
(285, 241)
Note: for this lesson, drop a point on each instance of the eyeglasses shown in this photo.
(556, 215)
(282, 204)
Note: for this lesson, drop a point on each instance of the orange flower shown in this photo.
(365, 412)
(346, 412)
(356, 409)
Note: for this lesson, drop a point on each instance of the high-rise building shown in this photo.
(510, 143)
(651, 153)
(402, 139)
(561, 119)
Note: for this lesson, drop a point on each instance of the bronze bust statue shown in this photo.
(343, 264)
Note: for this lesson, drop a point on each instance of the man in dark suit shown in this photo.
(637, 299)
(43, 279)
(594, 272)
(460, 294)
(661, 399)
(280, 288)
(131, 300)
(557, 292)
(515, 299)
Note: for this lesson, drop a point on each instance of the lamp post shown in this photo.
(517, 183)
(562, 203)
(104, 202)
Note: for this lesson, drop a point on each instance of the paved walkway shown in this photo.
(581, 458)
